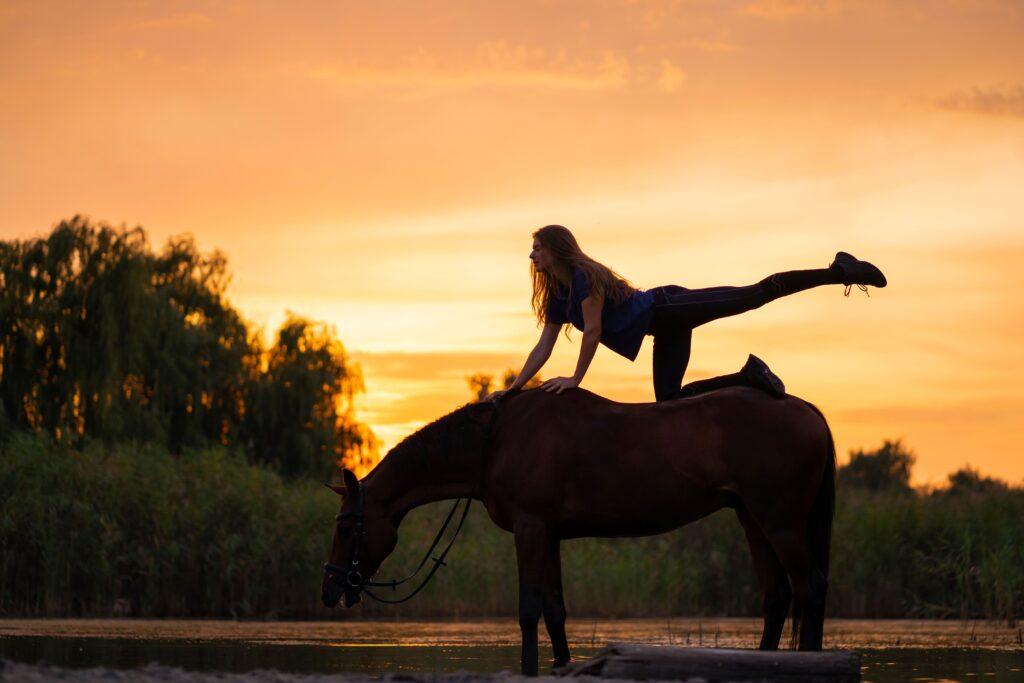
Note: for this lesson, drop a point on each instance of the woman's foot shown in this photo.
(759, 375)
(856, 272)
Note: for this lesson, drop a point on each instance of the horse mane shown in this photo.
(447, 434)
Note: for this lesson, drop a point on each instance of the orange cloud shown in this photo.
(780, 10)
(994, 101)
(173, 21)
(671, 77)
(503, 65)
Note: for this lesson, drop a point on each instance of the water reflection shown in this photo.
(484, 646)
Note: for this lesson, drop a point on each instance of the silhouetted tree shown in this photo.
(299, 410)
(885, 469)
(102, 338)
(480, 383)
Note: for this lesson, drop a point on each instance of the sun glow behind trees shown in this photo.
(380, 166)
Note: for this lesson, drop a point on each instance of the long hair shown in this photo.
(567, 254)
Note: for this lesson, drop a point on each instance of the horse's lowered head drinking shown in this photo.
(364, 535)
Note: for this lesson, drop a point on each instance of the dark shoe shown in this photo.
(759, 375)
(856, 272)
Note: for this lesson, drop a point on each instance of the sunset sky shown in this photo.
(381, 166)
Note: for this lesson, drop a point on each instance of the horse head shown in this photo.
(364, 535)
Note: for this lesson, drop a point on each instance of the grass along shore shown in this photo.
(133, 530)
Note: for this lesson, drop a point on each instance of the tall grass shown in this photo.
(134, 530)
(936, 555)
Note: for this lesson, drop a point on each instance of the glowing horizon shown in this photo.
(382, 168)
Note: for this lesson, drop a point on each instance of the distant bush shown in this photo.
(885, 469)
(968, 480)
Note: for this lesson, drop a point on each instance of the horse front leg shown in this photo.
(554, 604)
(531, 551)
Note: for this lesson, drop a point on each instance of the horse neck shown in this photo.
(440, 462)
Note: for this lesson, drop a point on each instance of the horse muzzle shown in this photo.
(330, 594)
(336, 591)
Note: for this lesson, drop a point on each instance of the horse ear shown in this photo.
(351, 482)
(340, 490)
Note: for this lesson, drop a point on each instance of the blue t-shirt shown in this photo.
(623, 325)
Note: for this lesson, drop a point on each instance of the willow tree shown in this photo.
(103, 338)
(300, 416)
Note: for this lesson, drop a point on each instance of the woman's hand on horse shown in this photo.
(558, 384)
(494, 395)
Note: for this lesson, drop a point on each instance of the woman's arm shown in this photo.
(591, 337)
(539, 356)
(534, 362)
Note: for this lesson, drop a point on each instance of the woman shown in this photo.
(571, 287)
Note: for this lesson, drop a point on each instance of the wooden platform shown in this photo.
(714, 665)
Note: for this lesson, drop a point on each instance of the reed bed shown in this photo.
(134, 530)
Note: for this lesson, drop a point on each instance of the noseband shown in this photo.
(352, 576)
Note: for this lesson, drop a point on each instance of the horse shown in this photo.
(549, 467)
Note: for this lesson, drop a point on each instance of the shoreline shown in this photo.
(582, 632)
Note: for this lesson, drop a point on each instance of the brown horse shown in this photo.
(550, 467)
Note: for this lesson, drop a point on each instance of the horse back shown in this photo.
(599, 467)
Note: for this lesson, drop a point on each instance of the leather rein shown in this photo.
(352, 577)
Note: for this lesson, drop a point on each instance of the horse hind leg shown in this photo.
(776, 593)
(554, 604)
(809, 586)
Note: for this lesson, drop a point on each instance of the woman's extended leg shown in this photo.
(698, 306)
(692, 308)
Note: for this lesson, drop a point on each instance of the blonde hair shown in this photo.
(566, 252)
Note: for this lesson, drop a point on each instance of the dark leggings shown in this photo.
(677, 310)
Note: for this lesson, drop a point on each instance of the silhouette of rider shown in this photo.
(569, 287)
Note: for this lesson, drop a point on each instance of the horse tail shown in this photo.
(823, 509)
(819, 532)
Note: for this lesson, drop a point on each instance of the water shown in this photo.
(891, 650)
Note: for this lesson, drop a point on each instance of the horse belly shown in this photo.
(654, 509)
(607, 480)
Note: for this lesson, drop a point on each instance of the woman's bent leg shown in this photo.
(702, 386)
(755, 373)
(671, 356)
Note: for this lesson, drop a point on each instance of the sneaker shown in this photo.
(757, 372)
(857, 272)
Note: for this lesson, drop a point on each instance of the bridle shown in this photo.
(351, 577)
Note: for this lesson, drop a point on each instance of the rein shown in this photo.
(352, 577)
